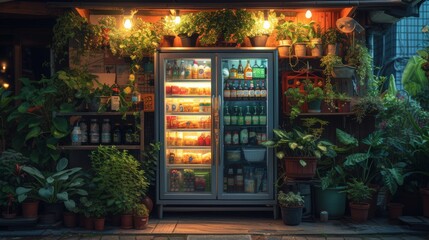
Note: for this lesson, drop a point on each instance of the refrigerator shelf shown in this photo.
(242, 126)
(187, 96)
(193, 166)
(240, 146)
(240, 79)
(189, 80)
(187, 114)
(244, 99)
(189, 147)
(188, 130)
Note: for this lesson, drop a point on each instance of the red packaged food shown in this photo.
(175, 90)
(168, 90)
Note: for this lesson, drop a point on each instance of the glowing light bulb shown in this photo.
(266, 24)
(128, 24)
(308, 14)
(177, 20)
(5, 85)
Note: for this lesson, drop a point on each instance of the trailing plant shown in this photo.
(258, 28)
(358, 192)
(359, 56)
(53, 187)
(290, 199)
(328, 62)
(284, 30)
(295, 99)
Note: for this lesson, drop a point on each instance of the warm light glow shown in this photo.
(5, 85)
(308, 14)
(177, 20)
(128, 23)
(3, 67)
(266, 24)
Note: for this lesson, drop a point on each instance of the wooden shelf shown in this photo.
(93, 147)
(302, 57)
(94, 113)
(323, 114)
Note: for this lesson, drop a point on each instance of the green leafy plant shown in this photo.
(312, 92)
(5, 109)
(258, 28)
(284, 30)
(368, 104)
(166, 26)
(328, 62)
(359, 57)
(141, 210)
(333, 36)
(358, 192)
(149, 161)
(120, 177)
(300, 32)
(93, 207)
(290, 199)
(295, 99)
(187, 25)
(53, 187)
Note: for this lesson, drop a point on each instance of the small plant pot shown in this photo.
(88, 223)
(126, 221)
(332, 49)
(168, 41)
(425, 200)
(292, 216)
(284, 51)
(30, 209)
(140, 222)
(359, 212)
(300, 49)
(259, 41)
(188, 41)
(69, 219)
(147, 201)
(317, 51)
(314, 106)
(395, 210)
(99, 224)
(294, 169)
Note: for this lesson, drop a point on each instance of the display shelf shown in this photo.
(323, 114)
(188, 130)
(186, 96)
(93, 147)
(94, 113)
(247, 126)
(244, 99)
(193, 166)
(300, 57)
(189, 147)
(187, 114)
(242, 79)
(240, 146)
(204, 80)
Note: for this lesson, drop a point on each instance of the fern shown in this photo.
(356, 158)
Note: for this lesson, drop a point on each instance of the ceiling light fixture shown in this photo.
(176, 15)
(308, 14)
(128, 19)
(266, 22)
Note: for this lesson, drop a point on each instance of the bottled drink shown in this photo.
(182, 70)
(240, 70)
(233, 72)
(244, 136)
(248, 71)
(169, 71)
(263, 89)
(228, 138)
(136, 99)
(116, 136)
(176, 70)
(230, 180)
(257, 90)
(227, 91)
(234, 90)
(239, 180)
(248, 117)
(264, 67)
(251, 90)
(201, 70)
(235, 138)
(106, 136)
(207, 72)
(94, 135)
(227, 117)
(240, 118)
(84, 131)
(195, 70)
(252, 137)
(245, 90)
(188, 71)
(249, 183)
(234, 117)
(255, 117)
(240, 91)
(76, 136)
(262, 117)
(129, 134)
(255, 70)
(114, 99)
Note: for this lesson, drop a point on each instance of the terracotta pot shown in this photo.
(284, 51)
(168, 41)
(332, 49)
(300, 49)
(140, 222)
(327, 108)
(30, 209)
(425, 200)
(259, 41)
(126, 221)
(359, 212)
(395, 210)
(69, 219)
(88, 223)
(295, 170)
(99, 224)
(317, 51)
(343, 106)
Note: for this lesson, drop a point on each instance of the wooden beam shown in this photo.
(83, 12)
(348, 12)
(25, 8)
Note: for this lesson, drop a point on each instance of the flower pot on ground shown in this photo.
(69, 219)
(358, 193)
(291, 205)
(141, 216)
(30, 209)
(99, 224)
(332, 200)
(126, 221)
(425, 200)
(395, 210)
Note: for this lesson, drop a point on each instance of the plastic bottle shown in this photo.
(106, 135)
(76, 136)
(84, 131)
(94, 135)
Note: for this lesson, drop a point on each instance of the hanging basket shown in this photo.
(343, 71)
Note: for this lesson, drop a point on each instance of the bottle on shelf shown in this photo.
(251, 89)
(129, 134)
(249, 182)
(240, 70)
(235, 138)
(169, 71)
(257, 90)
(239, 180)
(228, 138)
(255, 70)
(264, 67)
(255, 116)
(94, 132)
(248, 117)
(106, 135)
(136, 99)
(244, 136)
(234, 90)
(182, 70)
(227, 116)
(233, 72)
(240, 118)
(176, 70)
(245, 90)
(195, 70)
(262, 117)
(201, 70)
(207, 72)
(240, 90)
(76, 136)
(115, 101)
(84, 131)
(234, 116)
(117, 134)
(230, 180)
(188, 71)
(227, 91)
(263, 90)
(248, 73)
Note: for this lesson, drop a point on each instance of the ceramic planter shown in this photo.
(30, 209)
(140, 222)
(126, 221)
(395, 210)
(259, 41)
(99, 224)
(295, 170)
(359, 212)
(343, 71)
(188, 41)
(314, 106)
(332, 200)
(292, 216)
(425, 200)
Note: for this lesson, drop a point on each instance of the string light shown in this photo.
(128, 19)
(176, 15)
(308, 14)
(266, 22)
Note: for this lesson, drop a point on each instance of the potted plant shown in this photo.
(359, 57)
(259, 32)
(331, 38)
(94, 209)
(140, 216)
(314, 95)
(224, 27)
(53, 188)
(358, 193)
(328, 62)
(343, 102)
(301, 149)
(284, 37)
(315, 44)
(187, 29)
(121, 178)
(291, 205)
(300, 38)
(166, 28)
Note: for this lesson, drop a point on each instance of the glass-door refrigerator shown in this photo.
(214, 109)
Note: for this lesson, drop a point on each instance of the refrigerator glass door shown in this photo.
(246, 121)
(188, 155)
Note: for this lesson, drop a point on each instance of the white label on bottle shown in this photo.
(114, 103)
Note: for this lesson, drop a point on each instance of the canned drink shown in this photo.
(174, 107)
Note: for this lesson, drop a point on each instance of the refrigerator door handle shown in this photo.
(212, 132)
(219, 109)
